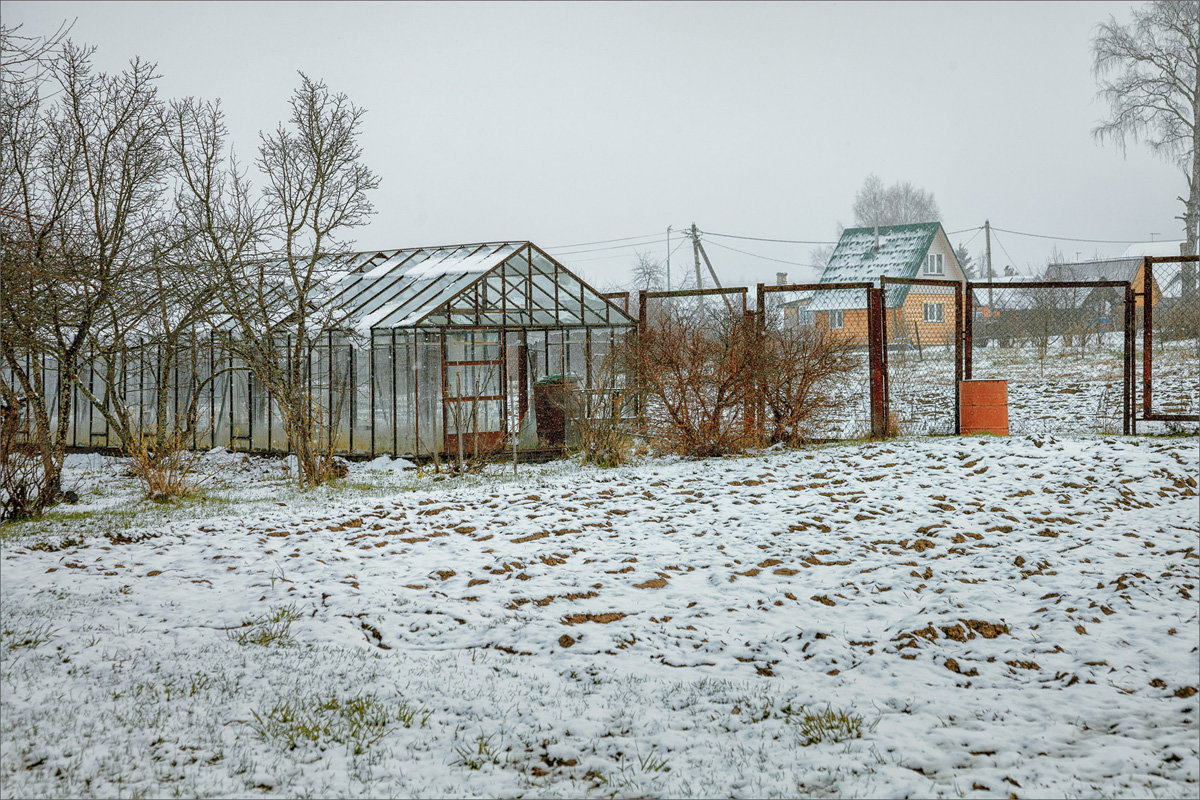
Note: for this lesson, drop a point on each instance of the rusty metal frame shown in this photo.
(962, 368)
(877, 373)
(1147, 295)
(1129, 368)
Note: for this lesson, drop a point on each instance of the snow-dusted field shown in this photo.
(938, 617)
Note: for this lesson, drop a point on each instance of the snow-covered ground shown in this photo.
(935, 617)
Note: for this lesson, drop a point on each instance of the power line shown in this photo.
(973, 238)
(765, 258)
(1067, 238)
(613, 247)
(1012, 261)
(763, 239)
(604, 241)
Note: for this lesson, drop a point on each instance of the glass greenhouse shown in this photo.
(440, 348)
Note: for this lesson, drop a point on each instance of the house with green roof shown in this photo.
(923, 314)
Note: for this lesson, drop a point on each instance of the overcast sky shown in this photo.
(569, 123)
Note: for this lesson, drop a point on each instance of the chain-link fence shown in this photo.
(819, 384)
(923, 324)
(1061, 347)
(1169, 306)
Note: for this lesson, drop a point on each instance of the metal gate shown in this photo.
(1065, 348)
(1165, 299)
(924, 354)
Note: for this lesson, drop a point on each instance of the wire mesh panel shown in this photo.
(1061, 347)
(923, 323)
(1169, 301)
(817, 379)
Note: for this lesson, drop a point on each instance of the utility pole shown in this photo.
(987, 230)
(698, 249)
(668, 258)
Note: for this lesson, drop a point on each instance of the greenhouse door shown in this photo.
(473, 392)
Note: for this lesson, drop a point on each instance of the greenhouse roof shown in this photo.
(511, 284)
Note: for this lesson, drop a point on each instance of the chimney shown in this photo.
(781, 279)
(875, 249)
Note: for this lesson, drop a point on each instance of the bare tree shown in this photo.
(694, 374)
(80, 188)
(898, 204)
(1149, 73)
(648, 273)
(273, 256)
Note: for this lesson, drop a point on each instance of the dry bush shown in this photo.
(164, 464)
(604, 418)
(25, 489)
(801, 371)
(695, 375)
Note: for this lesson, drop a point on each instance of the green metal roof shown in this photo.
(902, 250)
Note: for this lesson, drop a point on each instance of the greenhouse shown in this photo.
(439, 350)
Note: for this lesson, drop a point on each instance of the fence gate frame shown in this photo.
(876, 339)
(1147, 295)
(1129, 377)
(960, 367)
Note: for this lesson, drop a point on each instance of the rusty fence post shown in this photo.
(1147, 328)
(959, 353)
(760, 331)
(641, 367)
(968, 334)
(1129, 409)
(875, 347)
(886, 389)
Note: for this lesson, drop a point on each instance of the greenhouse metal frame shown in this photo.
(439, 352)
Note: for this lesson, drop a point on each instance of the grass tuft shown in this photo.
(357, 722)
(31, 637)
(830, 725)
(272, 628)
(474, 757)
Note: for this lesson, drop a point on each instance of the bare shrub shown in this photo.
(164, 464)
(695, 375)
(604, 417)
(801, 372)
(25, 489)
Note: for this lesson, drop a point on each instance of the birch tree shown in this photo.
(1149, 75)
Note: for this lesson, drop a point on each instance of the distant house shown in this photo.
(917, 314)
(1104, 300)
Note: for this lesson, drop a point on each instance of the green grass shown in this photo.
(829, 725)
(476, 755)
(17, 637)
(272, 628)
(356, 722)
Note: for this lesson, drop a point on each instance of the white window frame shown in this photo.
(837, 319)
(934, 312)
(935, 264)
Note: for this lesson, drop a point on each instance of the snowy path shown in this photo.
(1005, 615)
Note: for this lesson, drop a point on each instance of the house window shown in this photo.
(933, 312)
(934, 264)
(835, 320)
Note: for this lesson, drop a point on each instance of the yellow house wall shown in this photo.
(913, 312)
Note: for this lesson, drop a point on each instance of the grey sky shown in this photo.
(567, 123)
